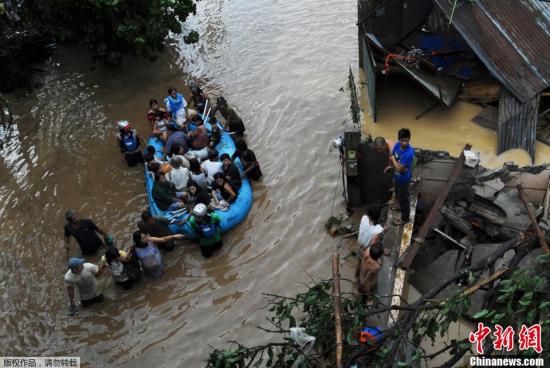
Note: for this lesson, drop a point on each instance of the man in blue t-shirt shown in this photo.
(401, 162)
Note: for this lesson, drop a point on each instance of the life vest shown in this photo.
(175, 105)
(131, 142)
(207, 229)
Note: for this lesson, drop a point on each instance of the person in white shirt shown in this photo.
(83, 276)
(369, 232)
(178, 175)
(212, 166)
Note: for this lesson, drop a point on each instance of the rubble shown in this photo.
(482, 209)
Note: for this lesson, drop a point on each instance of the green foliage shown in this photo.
(520, 299)
(192, 37)
(312, 310)
(112, 28)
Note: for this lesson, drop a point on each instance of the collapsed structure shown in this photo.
(495, 53)
(462, 215)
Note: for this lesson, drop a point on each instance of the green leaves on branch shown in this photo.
(192, 37)
(112, 28)
(520, 299)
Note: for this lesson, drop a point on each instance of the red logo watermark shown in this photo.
(528, 337)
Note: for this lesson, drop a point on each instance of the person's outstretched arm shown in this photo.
(155, 240)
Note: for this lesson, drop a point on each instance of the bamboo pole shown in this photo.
(337, 316)
(540, 234)
(484, 282)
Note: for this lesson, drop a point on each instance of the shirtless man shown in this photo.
(368, 267)
(384, 146)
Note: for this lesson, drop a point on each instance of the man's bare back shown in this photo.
(368, 267)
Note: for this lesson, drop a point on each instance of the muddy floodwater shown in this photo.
(282, 64)
(400, 100)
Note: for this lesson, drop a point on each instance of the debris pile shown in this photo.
(483, 209)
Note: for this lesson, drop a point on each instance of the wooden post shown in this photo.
(546, 201)
(427, 225)
(337, 316)
(540, 234)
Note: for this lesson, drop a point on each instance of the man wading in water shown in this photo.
(83, 276)
(85, 232)
(207, 227)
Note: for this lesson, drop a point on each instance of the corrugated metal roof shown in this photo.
(511, 37)
(517, 123)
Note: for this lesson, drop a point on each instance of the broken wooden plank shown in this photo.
(530, 213)
(401, 275)
(427, 225)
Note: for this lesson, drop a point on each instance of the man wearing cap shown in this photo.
(233, 122)
(85, 232)
(83, 276)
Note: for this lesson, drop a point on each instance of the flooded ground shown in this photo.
(400, 100)
(281, 63)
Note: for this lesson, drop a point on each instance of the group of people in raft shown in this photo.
(190, 174)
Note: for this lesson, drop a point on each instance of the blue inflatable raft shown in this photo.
(229, 219)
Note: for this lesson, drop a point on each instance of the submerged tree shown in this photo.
(520, 297)
(108, 28)
(111, 28)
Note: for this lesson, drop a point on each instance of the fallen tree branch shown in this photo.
(407, 320)
(484, 282)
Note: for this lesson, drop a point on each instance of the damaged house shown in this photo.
(492, 52)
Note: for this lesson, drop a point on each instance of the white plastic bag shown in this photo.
(302, 339)
(471, 158)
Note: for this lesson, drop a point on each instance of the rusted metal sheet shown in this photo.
(517, 123)
(510, 37)
(369, 67)
(445, 89)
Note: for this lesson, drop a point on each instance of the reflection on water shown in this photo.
(281, 63)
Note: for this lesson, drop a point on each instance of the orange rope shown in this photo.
(389, 57)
